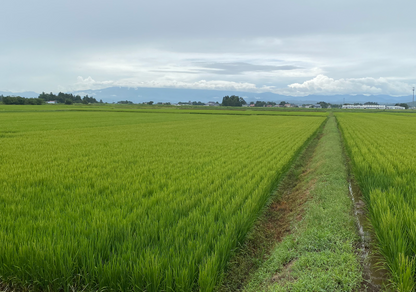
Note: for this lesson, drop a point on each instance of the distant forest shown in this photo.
(67, 98)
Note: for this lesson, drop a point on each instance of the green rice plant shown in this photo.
(381, 148)
(130, 201)
(165, 109)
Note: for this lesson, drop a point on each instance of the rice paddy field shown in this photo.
(382, 147)
(137, 201)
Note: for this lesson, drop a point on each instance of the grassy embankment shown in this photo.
(319, 254)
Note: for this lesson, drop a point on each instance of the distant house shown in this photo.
(212, 103)
(252, 105)
(51, 102)
(288, 105)
(269, 105)
(317, 106)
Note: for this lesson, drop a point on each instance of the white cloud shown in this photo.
(325, 85)
(90, 83)
(321, 84)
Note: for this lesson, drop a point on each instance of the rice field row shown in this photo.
(167, 109)
(134, 201)
(382, 151)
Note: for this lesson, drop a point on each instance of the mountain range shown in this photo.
(175, 95)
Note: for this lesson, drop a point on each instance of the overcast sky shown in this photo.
(287, 47)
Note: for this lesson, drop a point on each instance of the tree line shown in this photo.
(260, 103)
(233, 100)
(67, 98)
(20, 100)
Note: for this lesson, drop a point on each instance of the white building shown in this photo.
(373, 106)
(395, 107)
(365, 106)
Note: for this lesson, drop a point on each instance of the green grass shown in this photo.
(123, 201)
(320, 253)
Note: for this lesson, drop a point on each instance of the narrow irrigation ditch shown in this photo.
(375, 276)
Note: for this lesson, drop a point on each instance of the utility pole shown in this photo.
(413, 97)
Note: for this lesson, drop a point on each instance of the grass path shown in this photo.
(320, 253)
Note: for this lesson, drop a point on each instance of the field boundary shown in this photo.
(319, 254)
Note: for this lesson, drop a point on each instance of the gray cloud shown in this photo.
(242, 67)
(258, 45)
(176, 71)
(125, 20)
(234, 68)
